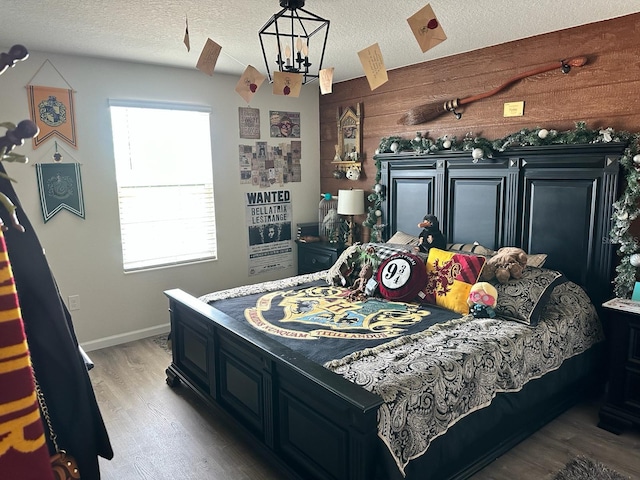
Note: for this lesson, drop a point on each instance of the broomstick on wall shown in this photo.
(427, 112)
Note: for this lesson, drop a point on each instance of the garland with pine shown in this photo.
(625, 209)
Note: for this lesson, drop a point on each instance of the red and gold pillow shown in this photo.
(450, 276)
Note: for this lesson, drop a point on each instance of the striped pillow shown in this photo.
(475, 248)
(386, 250)
(404, 239)
(450, 276)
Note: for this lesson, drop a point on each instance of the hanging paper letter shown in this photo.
(208, 57)
(426, 28)
(326, 80)
(185, 40)
(249, 83)
(373, 65)
(288, 84)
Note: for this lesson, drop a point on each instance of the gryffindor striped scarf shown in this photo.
(23, 449)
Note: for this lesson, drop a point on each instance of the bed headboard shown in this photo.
(554, 199)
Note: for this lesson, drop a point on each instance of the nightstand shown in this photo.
(622, 405)
(316, 256)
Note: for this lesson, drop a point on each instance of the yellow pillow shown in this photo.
(450, 276)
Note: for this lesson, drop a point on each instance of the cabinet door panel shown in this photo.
(315, 260)
(472, 221)
(413, 197)
(552, 230)
(193, 345)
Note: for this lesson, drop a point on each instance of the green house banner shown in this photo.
(60, 187)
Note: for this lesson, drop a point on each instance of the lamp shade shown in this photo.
(351, 202)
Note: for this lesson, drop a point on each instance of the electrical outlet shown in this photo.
(74, 302)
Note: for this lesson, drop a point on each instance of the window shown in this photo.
(165, 184)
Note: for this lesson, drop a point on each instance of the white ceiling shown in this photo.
(152, 31)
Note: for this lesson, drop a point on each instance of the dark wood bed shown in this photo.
(316, 424)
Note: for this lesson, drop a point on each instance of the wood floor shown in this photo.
(159, 433)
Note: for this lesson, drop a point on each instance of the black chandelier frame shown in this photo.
(283, 26)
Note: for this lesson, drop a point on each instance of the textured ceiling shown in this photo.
(152, 31)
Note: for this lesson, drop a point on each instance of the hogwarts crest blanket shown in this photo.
(322, 323)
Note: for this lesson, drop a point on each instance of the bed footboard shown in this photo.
(314, 421)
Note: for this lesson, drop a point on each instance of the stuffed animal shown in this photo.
(482, 300)
(507, 263)
(358, 288)
(431, 236)
(369, 261)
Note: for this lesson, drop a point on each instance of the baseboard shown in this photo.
(125, 337)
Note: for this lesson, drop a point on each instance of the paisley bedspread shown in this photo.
(432, 379)
(263, 287)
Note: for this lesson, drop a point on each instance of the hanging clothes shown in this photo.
(23, 446)
(57, 362)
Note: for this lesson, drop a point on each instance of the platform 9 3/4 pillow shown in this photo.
(401, 277)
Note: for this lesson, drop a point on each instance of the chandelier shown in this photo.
(287, 37)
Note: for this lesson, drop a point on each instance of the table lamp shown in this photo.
(350, 203)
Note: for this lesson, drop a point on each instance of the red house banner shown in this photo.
(23, 450)
(52, 110)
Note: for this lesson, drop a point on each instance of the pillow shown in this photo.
(403, 239)
(475, 248)
(401, 276)
(523, 300)
(450, 276)
(533, 260)
(536, 259)
(386, 250)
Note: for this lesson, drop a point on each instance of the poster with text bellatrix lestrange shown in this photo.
(269, 226)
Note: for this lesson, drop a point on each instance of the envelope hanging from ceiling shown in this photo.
(209, 57)
(326, 80)
(288, 84)
(249, 83)
(426, 28)
(373, 66)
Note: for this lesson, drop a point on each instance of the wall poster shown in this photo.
(249, 119)
(269, 227)
(284, 124)
(263, 165)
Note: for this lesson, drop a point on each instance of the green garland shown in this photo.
(625, 210)
(374, 213)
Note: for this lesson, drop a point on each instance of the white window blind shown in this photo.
(165, 184)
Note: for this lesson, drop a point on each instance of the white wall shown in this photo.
(85, 254)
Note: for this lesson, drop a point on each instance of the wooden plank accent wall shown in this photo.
(604, 93)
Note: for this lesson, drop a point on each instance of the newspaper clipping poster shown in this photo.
(269, 223)
(249, 121)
